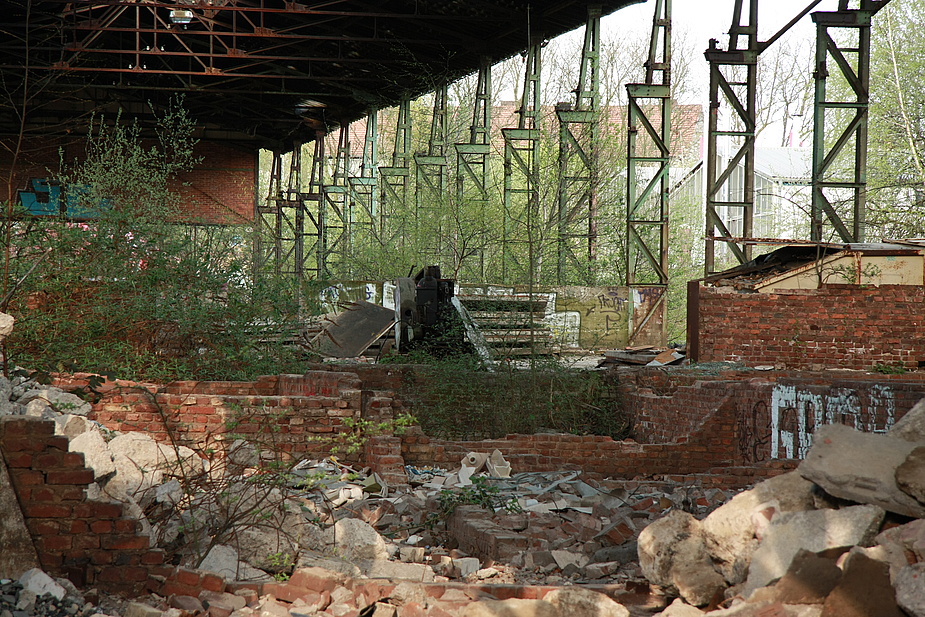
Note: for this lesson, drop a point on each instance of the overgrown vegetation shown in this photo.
(136, 287)
(463, 401)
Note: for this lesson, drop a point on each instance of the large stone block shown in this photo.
(672, 554)
(860, 467)
(813, 531)
(730, 530)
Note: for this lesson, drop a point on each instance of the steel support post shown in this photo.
(363, 211)
(733, 79)
(648, 152)
(840, 166)
(337, 216)
(472, 157)
(395, 180)
(521, 179)
(289, 227)
(648, 149)
(577, 215)
(431, 184)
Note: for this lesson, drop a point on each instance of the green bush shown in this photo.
(136, 289)
(454, 398)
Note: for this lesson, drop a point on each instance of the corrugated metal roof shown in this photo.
(785, 164)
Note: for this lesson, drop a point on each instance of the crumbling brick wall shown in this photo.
(835, 326)
(88, 542)
(685, 422)
(298, 415)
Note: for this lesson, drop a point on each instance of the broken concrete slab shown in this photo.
(96, 454)
(36, 581)
(860, 467)
(672, 554)
(514, 607)
(910, 589)
(730, 530)
(354, 540)
(223, 560)
(911, 426)
(680, 608)
(813, 531)
(864, 591)
(910, 475)
(18, 554)
(578, 602)
(808, 580)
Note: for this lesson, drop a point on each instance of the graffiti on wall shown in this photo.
(795, 413)
(752, 430)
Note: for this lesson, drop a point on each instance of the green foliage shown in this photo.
(889, 369)
(359, 430)
(479, 493)
(464, 402)
(137, 288)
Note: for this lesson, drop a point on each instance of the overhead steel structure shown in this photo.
(269, 72)
(839, 167)
(273, 74)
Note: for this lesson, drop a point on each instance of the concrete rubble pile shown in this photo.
(841, 536)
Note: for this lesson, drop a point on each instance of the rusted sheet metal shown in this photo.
(351, 332)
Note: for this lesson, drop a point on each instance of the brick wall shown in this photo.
(218, 191)
(835, 326)
(301, 416)
(88, 542)
(684, 421)
(221, 188)
(727, 429)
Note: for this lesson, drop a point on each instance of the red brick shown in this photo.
(47, 511)
(123, 542)
(190, 578)
(74, 476)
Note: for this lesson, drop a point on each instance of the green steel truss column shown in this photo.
(394, 181)
(521, 178)
(576, 214)
(289, 231)
(648, 152)
(364, 199)
(840, 167)
(472, 157)
(733, 79)
(430, 190)
(335, 209)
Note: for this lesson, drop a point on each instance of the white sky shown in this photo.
(702, 20)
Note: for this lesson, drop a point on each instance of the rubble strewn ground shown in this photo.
(842, 535)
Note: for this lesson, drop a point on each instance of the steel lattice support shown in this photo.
(394, 181)
(733, 79)
(648, 152)
(840, 169)
(335, 209)
(472, 157)
(430, 191)
(521, 175)
(578, 166)
(289, 226)
(363, 190)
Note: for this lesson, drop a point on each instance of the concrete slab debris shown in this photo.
(860, 467)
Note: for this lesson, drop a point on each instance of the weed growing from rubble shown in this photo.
(479, 493)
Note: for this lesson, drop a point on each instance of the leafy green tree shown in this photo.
(135, 286)
(896, 146)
